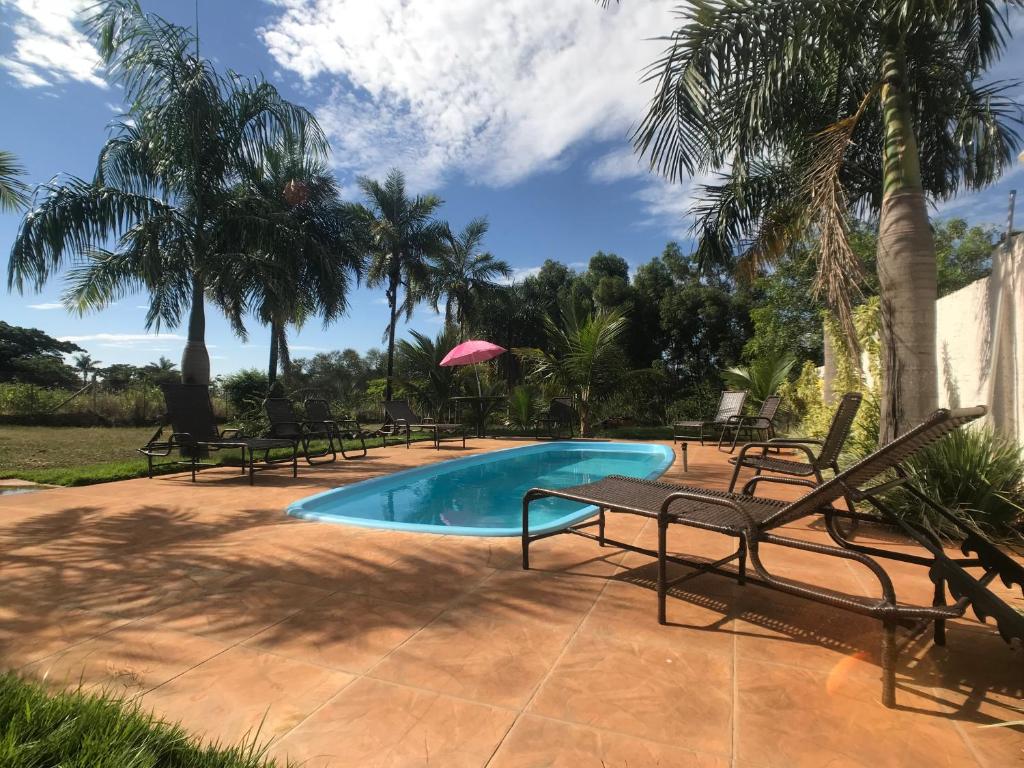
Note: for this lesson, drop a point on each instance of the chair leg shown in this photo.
(662, 570)
(295, 459)
(741, 554)
(600, 528)
(940, 624)
(735, 476)
(526, 534)
(889, 664)
(252, 466)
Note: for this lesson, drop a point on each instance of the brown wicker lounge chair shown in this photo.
(403, 418)
(730, 406)
(194, 430)
(828, 453)
(320, 419)
(560, 413)
(763, 422)
(285, 424)
(753, 522)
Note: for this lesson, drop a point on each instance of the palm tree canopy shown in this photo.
(161, 191)
(464, 272)
(402, 236)
(787, 97)
(13, 191)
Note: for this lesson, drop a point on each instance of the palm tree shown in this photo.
(422, 374)
(582, 357)
(403, 237)
(463, 273)
(13, 192)
(162, 182)
(85, 364)
(825, 106)
(307, 258)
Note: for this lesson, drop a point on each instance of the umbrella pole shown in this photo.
(476, 370)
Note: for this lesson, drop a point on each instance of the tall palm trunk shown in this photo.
(272, 368)
(907, 274)
(393, 305)
(195, 360)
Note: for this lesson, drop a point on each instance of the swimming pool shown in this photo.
(482, 495)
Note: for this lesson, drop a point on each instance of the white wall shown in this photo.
(980, 342)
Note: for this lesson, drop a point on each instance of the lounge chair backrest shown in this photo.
(190, 411)
(730, 405)
(936, 426)
(769, 407)
(561, 410)
(400, 410)
(318, 409)
(842, 423)
(283, 420)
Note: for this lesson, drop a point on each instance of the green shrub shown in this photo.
(761, 379)
(697, 404)
(523, 406)
(975, 473)
(76, 729)
(29, 399)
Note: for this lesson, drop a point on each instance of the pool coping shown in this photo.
(301, 510)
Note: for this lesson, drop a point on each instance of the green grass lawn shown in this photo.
(86, 455)
(74, 730)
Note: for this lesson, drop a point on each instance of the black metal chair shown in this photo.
(194, 431)
(286, 425)
(320, 419)
(754, 522)
(763, 422)
(402, 418)
(560, 413)
(826, 458)
(730, 406)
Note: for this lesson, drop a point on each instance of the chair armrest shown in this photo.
(427, 420)
(231, 432)
(796, 440)
(704, 498)
(772, 444)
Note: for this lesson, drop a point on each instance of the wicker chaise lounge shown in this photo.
(730, 406)
(194, 429)
(286, 424)
(560, 413)
(404, 419)
(763, 422)
(319, 418)
(753, 522)
(826, 458)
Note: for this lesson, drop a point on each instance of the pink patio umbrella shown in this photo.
(472, 352)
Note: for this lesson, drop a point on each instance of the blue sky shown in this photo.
(517, 111)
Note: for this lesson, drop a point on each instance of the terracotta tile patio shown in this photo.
(357, 647)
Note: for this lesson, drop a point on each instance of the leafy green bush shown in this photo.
(29, 399)
(977, 474)
(523, 406)
(761, 379)
(77, 729)
(698, 404)
(244, 391)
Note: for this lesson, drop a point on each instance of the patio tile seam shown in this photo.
(64, 649)
(561, 654)
(735, 700)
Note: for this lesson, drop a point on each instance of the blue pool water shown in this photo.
(482, 495)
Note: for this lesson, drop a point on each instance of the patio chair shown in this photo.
(194, 431)
(763, 422)
(318, 415)
(730, 406)
(826, 458)
(404, 419)
(753, 522)
(560, 413)
(285, 424)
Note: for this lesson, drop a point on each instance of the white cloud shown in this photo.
(496, 91)
(47, 305)
(49, 46)
(519, 274)
(126, 340)
(667, 204)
